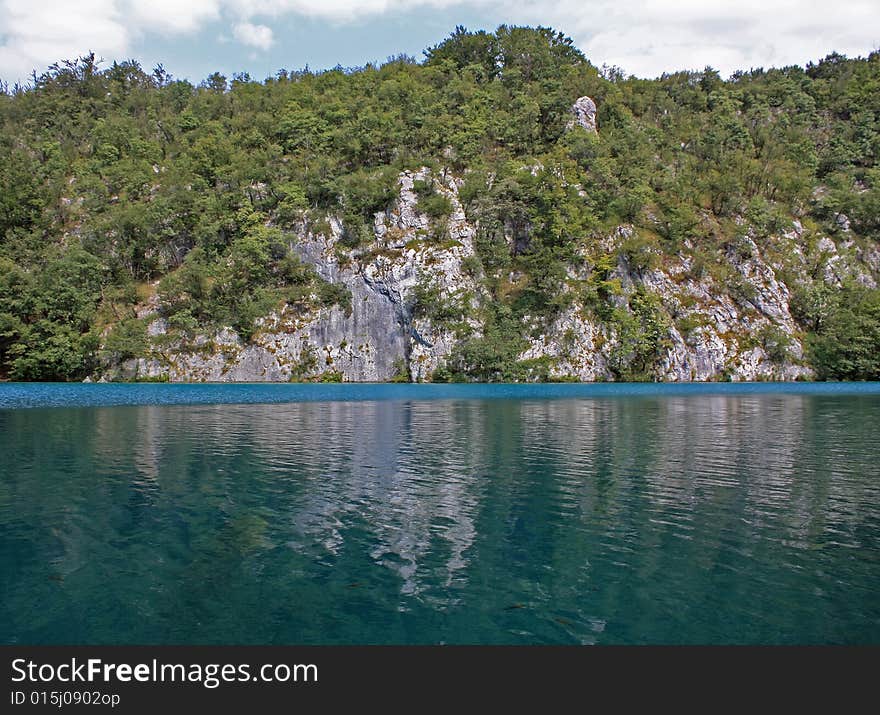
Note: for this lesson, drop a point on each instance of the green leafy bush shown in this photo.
(846, 345)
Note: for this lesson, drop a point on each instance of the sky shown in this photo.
(193, 38)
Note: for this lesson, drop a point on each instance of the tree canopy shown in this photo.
(114, 178)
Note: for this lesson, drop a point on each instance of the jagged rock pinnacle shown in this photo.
(584, 111)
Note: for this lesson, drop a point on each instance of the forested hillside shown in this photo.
(442, 219)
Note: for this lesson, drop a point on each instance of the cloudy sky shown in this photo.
(193, 38)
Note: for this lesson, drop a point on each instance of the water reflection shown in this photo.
(671, 519)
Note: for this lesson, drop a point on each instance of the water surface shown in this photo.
(429, 514)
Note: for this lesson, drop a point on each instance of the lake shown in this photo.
(299, 514)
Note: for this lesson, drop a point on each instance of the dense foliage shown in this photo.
(116, 183)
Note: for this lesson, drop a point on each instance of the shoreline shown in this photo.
(41, 395)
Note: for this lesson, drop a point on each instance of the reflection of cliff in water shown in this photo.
(401, 471)
(510, 518)
(396, 469)
(415, 475)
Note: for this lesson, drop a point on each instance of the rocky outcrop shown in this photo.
(417, 293)
(584, 114)
(379, 338)
(711, 334)
(575, 347)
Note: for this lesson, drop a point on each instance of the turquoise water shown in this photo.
(67, 394)
(428, 514)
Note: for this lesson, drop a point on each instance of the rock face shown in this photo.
(710, 334)
(574, 345)
(379, 339)
(584, 111)
(417, 293)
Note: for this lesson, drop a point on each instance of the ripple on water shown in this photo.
(653, 517)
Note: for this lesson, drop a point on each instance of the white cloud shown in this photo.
(258, 36)
(648, 37)
(171, 16)
(36, 34)
(644, 37)
(340, 10)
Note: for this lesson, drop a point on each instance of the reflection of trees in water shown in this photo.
(664, 485)
(770, 455)
(167, 511)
